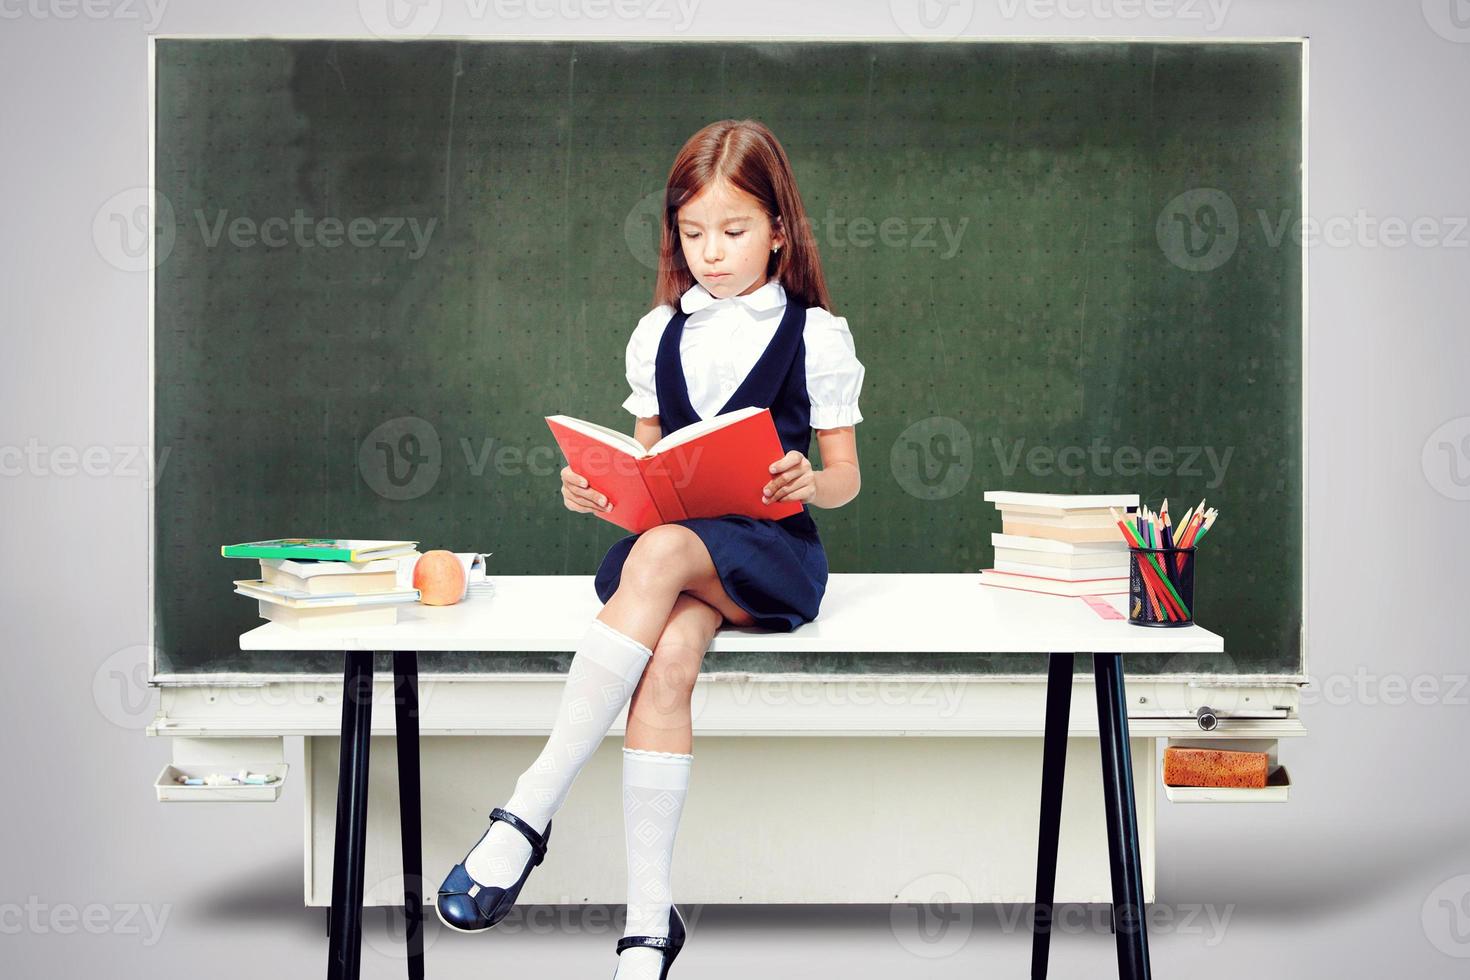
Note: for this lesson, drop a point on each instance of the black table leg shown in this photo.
(406, 710)
(345, 928)
(1053, 772)
(1124, 864)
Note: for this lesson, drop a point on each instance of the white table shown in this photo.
(867, 614)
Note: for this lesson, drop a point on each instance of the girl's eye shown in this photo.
(736, 234)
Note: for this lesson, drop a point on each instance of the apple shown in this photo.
(439, 577)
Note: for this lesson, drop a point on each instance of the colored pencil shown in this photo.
(1196, 530)
(1153, 593)
(1188, 516)
(1163, 581)
(1209, 523)
(1168, 537)
(1168, 593)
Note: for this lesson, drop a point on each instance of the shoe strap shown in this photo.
(537, 842)
(657, 942)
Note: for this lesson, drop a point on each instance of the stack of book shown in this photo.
(327, 583)
(1059, 543)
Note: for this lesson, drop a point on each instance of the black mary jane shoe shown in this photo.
(465, 905)
(669, 945)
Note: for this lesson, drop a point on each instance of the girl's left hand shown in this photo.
(794, 479)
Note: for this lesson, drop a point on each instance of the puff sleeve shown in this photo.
(834, 375)
(638, 363)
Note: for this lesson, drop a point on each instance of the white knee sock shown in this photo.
(654, 787)
(602, 676)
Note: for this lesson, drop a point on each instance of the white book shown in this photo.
(1062, 502)
(299, 598)
(318, 576)
(1024, 542)
(331, 618)
(358, 583)
(1052, 586)
(1014, 524)
(1075, 518)
(308, 567)
(1094, 564)
(1056, 571)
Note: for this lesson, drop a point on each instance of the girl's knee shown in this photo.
(692, 624)
(662, 555)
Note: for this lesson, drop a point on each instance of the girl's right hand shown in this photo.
(578, 495)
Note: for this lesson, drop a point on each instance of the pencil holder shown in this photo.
(1161, 586)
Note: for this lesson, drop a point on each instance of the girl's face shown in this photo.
(727, 240)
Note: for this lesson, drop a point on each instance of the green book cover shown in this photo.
(320, 549)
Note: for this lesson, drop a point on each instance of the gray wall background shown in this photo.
(1365, 873)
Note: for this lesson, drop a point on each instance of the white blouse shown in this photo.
(722, 340)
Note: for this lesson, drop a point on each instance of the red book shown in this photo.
(711, 468)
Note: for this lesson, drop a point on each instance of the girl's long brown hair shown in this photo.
(747, 155)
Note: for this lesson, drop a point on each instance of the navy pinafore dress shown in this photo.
(776, 570)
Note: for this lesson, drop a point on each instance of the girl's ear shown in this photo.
(778, 234)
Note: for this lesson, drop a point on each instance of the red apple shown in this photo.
(439, 577)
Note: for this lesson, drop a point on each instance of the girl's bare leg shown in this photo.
(663, 562)
(659, 713)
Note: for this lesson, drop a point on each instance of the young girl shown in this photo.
(741, 318)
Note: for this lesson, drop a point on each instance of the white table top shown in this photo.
(861, 613)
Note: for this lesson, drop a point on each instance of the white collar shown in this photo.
(768, 297)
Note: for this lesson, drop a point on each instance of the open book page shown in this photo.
(284, 595)
(696, 429)
(630, 445)
(307, 567)
(609, 437)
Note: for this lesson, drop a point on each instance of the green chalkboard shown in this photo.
(379, 264)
